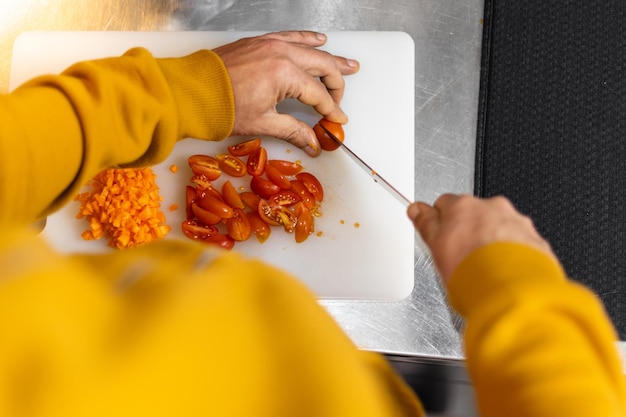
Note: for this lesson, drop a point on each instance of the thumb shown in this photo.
(425, 220)
(294, 131)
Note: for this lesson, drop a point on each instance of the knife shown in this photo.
(375, 175)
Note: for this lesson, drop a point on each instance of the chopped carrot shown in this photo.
(174, 207)
(174, 168)
(123, 206)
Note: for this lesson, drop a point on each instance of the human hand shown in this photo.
(267, 69)
(457, 225)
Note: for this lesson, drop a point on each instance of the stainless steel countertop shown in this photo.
(447, 36)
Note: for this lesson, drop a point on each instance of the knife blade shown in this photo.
(375, 175)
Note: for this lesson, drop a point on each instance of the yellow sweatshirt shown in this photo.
(176, 328)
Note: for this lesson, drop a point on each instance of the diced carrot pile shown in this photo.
(124, 206)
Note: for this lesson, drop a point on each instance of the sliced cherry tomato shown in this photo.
(312, 184)
(250, 199)
(190, 197)
(201, 181)
(304, 224)
(205, 165)
(195, 230)
(238, 226)
(307, 198)
(263, 187)
(256, 162)
(261, 230)
(285, 198)
(321, 130)
(231, 196)
(215, 206)
(245, 148)
(221, 240)
(286, 167)
(277, 177)
(231, 165)
(287, 218)
(268, 214)
(205, 216)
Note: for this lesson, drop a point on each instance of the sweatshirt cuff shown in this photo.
(505, 270)
(203, 95)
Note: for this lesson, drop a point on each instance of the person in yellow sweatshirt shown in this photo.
(176, 328)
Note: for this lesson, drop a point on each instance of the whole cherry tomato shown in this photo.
(321, 130)
(205, 165)
(231, 165)
(256, 162)
(245, 148)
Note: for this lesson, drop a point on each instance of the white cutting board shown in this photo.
(372, 261)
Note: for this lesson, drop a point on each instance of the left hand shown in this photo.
(267, 69)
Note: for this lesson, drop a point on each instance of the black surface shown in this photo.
(552, 131)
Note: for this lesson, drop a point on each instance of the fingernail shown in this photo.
(413, 211)
(321, 36)
(352, 63)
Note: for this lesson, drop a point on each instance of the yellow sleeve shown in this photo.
(536, 344)
(177, 329)
(58, 131)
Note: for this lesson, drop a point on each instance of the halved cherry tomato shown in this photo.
(238, 226)
(312, 184)
(195, 230)
(285, 198)
(250, 199)
(231, 196)
(261, 230)
(277, 177)
(205, 165)
(221, 240)
(267, 213)
(307, 198)
(215, 206)
(263, 187)
(286, 167)
(205, 216)
(245, 148)
(256, 162)
(304, 224)
(231, 165)
(326, 142)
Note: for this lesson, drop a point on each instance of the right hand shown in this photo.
(457, 225)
